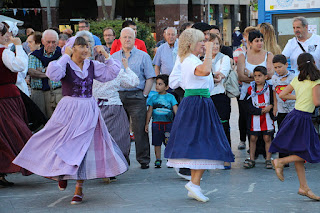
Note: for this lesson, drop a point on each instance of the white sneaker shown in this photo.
(187, 177)
(242, 145)
(196, 193)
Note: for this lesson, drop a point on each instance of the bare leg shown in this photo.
(196, 175)
(253, 145)
(301, 175)
(157, 152)
(78, 190)
(289, 159)
(78, 195)
(194, 185)
(267, 140)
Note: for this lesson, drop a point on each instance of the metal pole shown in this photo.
(208, 11)
(49, 21)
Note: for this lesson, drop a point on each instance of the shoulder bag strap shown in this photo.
(301, 46)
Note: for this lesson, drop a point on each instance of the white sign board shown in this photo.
(312, 29)
(271, 5)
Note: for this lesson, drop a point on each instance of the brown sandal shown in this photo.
(279, 170)
(268, 164)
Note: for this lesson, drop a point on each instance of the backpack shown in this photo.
(231, 84)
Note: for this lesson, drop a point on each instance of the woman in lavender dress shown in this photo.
(75, 143)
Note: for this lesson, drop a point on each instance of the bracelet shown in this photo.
(249, 75)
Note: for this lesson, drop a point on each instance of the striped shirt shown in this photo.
(34, 63)
(261, 122)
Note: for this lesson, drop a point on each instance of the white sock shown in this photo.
(194, 185)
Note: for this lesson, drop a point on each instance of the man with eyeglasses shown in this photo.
(109, 35)
(85, 25)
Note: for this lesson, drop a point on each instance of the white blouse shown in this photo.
(191, 81)
(15, 62)
(109, 90)
(223, 65)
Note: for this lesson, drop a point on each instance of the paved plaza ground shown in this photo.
(161, 190)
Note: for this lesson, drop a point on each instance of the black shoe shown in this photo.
(113, 179)
(4, 182)
(144, 166)
(185, 171)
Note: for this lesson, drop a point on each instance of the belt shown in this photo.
(45, 90)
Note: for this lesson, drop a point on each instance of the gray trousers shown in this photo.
(47, 101)
(134, 104)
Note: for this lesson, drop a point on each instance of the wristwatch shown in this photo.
(146, 96)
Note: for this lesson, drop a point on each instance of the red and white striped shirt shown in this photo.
(261, 122)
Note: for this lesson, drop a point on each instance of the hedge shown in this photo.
(144, 31)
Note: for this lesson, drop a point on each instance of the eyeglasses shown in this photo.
(82, 26)
(108, 35)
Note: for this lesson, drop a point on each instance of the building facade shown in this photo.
(227, 14)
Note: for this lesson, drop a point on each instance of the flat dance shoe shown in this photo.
(279, 170)
(309, 194)
(62, 184)
(77, 199)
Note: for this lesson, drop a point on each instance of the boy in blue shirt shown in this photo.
(161, 109)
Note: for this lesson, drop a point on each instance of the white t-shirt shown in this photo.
(292, 50)
(191, 81)
(175, 75)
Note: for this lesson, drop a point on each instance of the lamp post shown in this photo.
(49, 21)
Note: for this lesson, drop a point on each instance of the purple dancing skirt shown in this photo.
(297, 136)
(74, 144)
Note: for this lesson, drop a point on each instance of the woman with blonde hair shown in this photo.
(197, 140)
(270, 41)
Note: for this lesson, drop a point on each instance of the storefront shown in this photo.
(280, 13)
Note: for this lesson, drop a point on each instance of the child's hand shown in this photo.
(146, 128)
(267, 109)
(275, 111)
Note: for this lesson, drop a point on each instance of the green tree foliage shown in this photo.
(144, 31)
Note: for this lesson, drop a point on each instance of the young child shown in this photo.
(161, 109)
(297, 135)
(280, 80)
(260, 102)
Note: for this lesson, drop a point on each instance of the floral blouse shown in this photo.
(107, 93)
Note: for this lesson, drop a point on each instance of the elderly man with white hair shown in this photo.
(45, 93)
(166, 54)
(134, 100)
